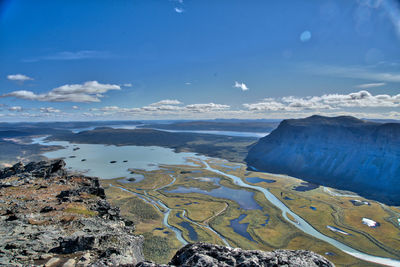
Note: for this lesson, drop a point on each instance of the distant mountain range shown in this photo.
(227, 147)
(226, 125)
(341, 152)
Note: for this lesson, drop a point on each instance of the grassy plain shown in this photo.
(205, 210)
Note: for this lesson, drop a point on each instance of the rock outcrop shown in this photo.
(207, 255)
(341, 152)
(49, 217)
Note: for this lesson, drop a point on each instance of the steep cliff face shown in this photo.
(49, 217)
(208, 255)
(341, 152)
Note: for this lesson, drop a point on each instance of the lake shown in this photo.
(99, 158)
(131, 127)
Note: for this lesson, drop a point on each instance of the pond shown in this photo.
(192, 233)
(305, 186)
(133, 178)
(256, 180)
(244, 198)
(241, 228)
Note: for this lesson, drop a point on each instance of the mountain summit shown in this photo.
(342, 152)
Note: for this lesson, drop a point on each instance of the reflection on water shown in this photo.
(305, 186)
(241, 228)
(243, 197)
(98, 158)
(133, 178)
(232, 167)
(256, 180)
(192, 232)
(266, 220)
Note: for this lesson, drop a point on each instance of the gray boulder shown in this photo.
(207, 255)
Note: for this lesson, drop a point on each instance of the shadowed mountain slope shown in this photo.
(341, 152)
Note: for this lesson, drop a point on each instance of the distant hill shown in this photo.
(235, 126)
(341, 152)
(227, 147)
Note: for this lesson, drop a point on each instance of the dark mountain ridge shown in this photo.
(341, 152)
(234, 126)
(228, 147)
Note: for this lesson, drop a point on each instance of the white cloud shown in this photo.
(15, 109)
(357, 72)
(127, 85)
(179, 10)
(72, 55)
(361, 99)
(369, 85)
(109, 108)
(162, 109)
(90, 91)
(75, 107)
(242, 86)
(49, 110)
(206, 107)
(19, 77)
(166, 102)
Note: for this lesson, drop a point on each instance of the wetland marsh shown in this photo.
(223, 203)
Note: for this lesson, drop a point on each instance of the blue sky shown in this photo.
(84, 60)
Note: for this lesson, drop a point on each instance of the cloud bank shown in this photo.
(164, 107)
(166, 102)
(15, 109)
(90, 91)
(361, 99)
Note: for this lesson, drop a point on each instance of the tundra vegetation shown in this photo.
(266, 226)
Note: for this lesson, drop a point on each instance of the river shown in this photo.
(303, 225)
(97, 163)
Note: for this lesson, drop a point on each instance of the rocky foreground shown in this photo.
(207, 255)
(51, 218)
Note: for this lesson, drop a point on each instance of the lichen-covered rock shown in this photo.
(42, 169)
(50, 217)
(207, 255)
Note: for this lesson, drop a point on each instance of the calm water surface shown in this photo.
(244, 198)
(99, 158)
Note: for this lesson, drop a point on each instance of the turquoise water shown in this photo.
(98, 158)
(303, 225)
(97, 164)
